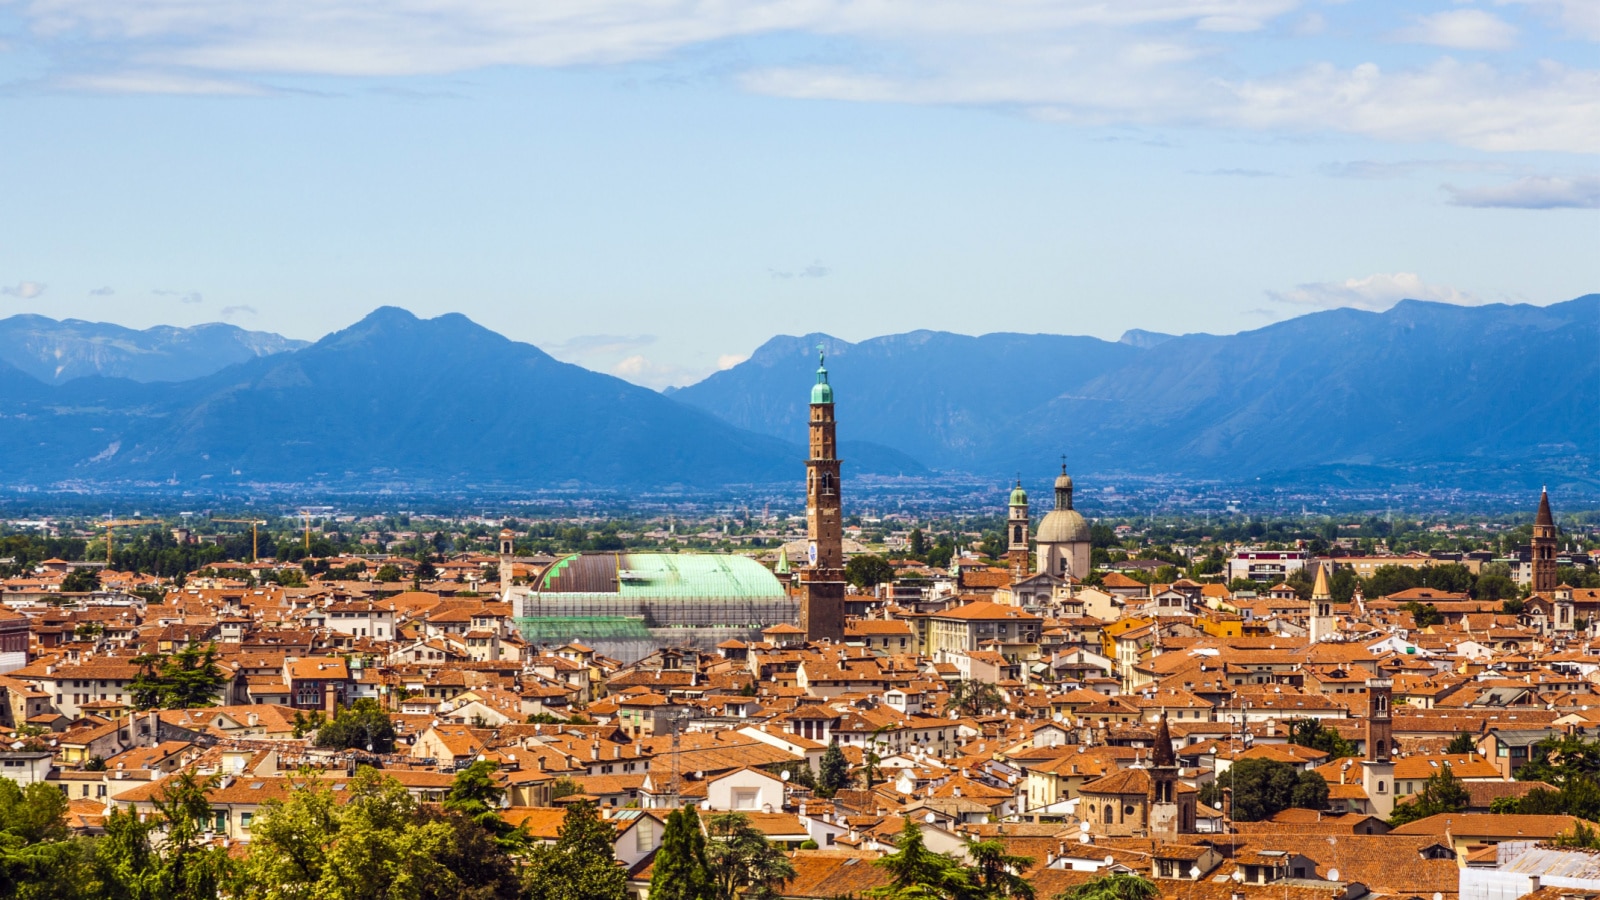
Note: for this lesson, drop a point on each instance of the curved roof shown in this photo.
(667, 576)
(1063, 526)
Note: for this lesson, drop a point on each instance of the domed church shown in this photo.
(1062, 543)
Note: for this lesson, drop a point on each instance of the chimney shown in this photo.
(541, 764)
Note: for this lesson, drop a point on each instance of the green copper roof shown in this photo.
(673, 576)
(1019, 497)
(821, 392)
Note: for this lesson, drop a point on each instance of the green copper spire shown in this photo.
(1019, 497)
(821, 392)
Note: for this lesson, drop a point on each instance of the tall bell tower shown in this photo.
(822, 579)
(1017, 532)
(1544, 547)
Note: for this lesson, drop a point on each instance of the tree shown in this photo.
(387, 572)
(39, 859)
(187, 679)
(379, 844)
(582, 863)
(1463, 742)
(1262, 788)
(918, 544)
(191, 866)
(364, 725)
(681, 871)
(1308, 732)
(867, 571)
(742, 863)
(917, 873)
(1113, 887)
(1000, 873)
(1441, 793)
(833, 770)
(971, 697)
(476, 796)
(1424, 614)
(1557, 760)
(80, 581)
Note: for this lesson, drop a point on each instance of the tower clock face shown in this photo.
(811, 552)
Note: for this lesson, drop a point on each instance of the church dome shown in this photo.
(1063, 526)
(1063, 482)
(1019, 497)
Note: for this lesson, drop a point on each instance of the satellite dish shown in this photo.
(1194, 871)
(930, 818)
(1437, 896)
(784, 775)
(1238, 876)
(1083, 826)
(1111, 860)
(1083, 839)
(1333, 874)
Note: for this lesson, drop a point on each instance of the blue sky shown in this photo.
(654, 188)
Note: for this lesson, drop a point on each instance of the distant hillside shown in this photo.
(392, 399)
(58, 351)
(1421, 384)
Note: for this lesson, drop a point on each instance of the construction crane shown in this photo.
(306, 515)
(255, 539)
(111, 525)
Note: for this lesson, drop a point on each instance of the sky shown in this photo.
(653, 188)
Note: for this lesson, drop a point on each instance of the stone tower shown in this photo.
(1321, 624)
(1167, 819)
(1017, 531)
(1377, 770)
(822, 578)
(507, 543)
(1544, 547)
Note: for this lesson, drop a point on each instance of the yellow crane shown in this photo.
(306, 515)
(111, 525)
(255, 539)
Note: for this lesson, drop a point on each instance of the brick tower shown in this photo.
(1377, 770)
(822, 578)
(1544, 547)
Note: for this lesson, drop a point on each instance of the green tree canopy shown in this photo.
(1308, 732)
(1116, 886)
(917, 873)
(364, 725)
(833, 770)
(1262, 788)
(1441, 793)
(867, 571)
(582, 863)
(187, 679)
(744, 865)
(681, 870)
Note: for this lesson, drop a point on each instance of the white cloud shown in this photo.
(1465, 29)
(1533, 192)
(1130, 63)
(148, 82)
(229, 312)
(728, 360)
(24, 290)
(1375, 292)
(102, 292)
(1579, 18)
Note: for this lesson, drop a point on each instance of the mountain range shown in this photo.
(59, 351)
(1421, 384)
(399, 401)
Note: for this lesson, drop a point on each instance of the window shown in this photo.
(645, 835)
